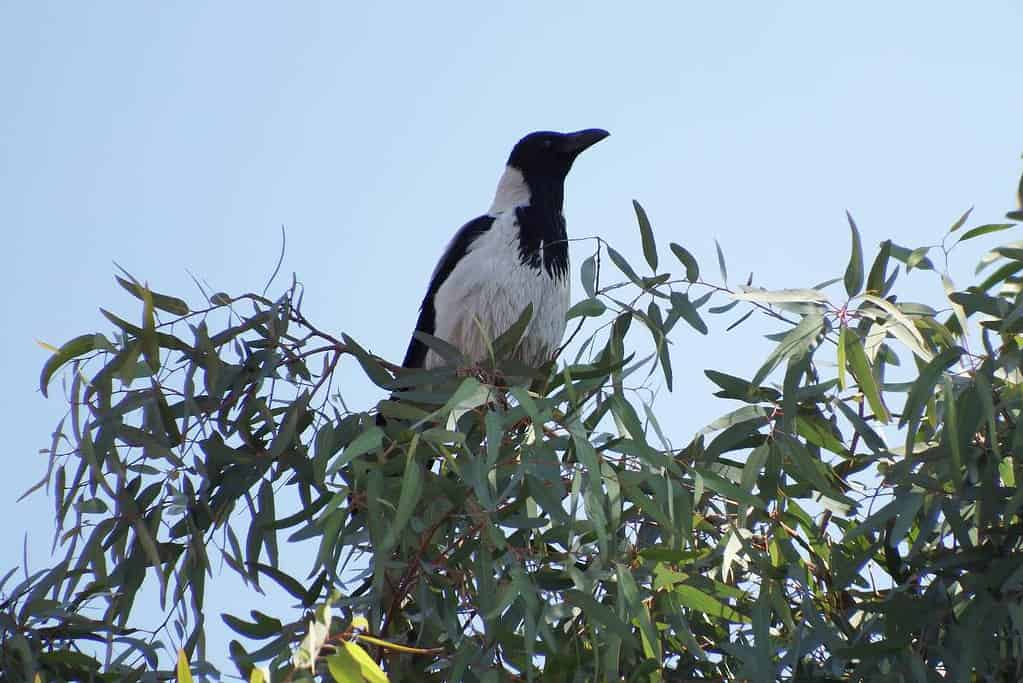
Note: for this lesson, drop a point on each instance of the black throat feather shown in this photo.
(543, 241)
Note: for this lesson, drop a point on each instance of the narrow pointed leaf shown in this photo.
(903, 329)
(876, 278)
(721, 262)
(923, 389)
(800, 338)
(861, 369)
(590, 308)
(79, 346)
(184, 672)
(646, 234)
(695, 599)
(588, 275)
(984, 230)
(509, 340)
(687, 260)
(170, 304)
(150, 344)
(741, 320)
(903, 254)
(961, 220)
(854, 271)
(840, 360)
(411, 491)
(624, 266)
(780, 295)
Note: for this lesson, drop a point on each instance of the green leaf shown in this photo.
(79, 346)
(344, 669)
(352, 664)
(695, 599)
(995, 254)
(721, 262)
(902, 327)
(860, 367)
(780, 295)
(923, 390)
(634, 603)
(875, 521)
(1019, 192)
(626, 419)
(903, 254)
(150, 344)
(509, 340)
(985, 393)
(876, 278)
(957, 310)
(1001, 274)
(588, 275)
(724, 308)
(590, 308)
(683, 307)
(365, 442)
(739, 415)
(854, 271)
(984, 230)
(740, 320)
(951, 430)
(723, 487)
(646, 234)
(871, 438)
(961, 220)
(916, 257)
(370, 365)
(687, 260)
(469, 395)
(810, 469)
(263, 626)
(170, 304)
(594, 496)
(799, 339)
(601, 614)
(624, 266)
(286, 582)
(740, 389)
(840, 358)
(411, 492)
(909, 504)
(820, 432)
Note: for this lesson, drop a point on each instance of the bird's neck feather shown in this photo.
(513, 190)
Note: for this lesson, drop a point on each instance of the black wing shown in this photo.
(415, 357)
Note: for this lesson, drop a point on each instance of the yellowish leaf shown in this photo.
(184, 671)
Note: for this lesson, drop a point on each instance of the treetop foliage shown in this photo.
(855, 514)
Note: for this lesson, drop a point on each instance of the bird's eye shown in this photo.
(547, 143)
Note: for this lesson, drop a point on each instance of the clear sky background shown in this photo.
(177, 139)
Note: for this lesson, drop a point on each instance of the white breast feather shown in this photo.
(492, 285)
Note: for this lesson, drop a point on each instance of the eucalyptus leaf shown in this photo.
(646, 234)
(854, 271)
(687, 260)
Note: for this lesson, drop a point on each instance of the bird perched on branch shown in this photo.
(513, 256)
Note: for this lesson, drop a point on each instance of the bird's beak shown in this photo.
(576, 142)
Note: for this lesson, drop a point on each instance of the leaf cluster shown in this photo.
(853, 515)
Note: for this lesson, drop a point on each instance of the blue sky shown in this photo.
(179, 139)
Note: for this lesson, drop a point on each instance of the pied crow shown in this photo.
(514, 255)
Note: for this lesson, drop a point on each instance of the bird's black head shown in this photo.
(547, 156)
